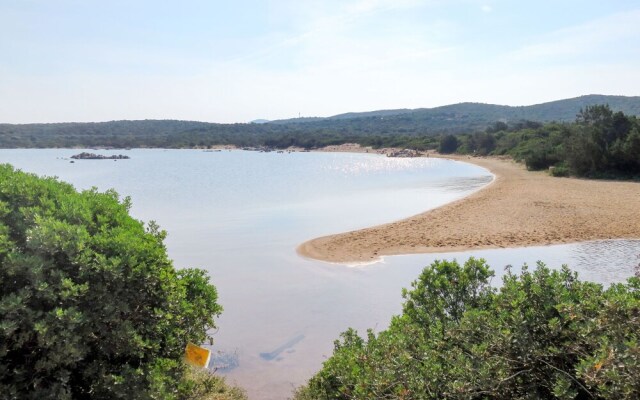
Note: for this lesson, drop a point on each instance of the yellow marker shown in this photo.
(196, 355)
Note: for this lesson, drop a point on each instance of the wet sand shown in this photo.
(519, 208)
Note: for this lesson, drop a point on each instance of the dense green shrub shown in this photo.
(543, 335)
(599, 144)
(539, 155)
(90, 305)
(448, 144)
(560, 170)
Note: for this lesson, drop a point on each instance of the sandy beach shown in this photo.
(519, 208)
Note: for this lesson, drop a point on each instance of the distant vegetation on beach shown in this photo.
(544, 334)
(600, 143)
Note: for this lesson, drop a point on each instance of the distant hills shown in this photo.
(309, 132)
(480, 114)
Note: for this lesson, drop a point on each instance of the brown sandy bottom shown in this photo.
(520, 208)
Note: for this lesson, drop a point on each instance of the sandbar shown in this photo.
(519, 208)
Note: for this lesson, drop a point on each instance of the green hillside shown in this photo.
(368, 128)
(559, 110)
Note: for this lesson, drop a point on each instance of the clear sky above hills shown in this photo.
(234, 61)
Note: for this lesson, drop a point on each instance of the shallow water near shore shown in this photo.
(240, 216)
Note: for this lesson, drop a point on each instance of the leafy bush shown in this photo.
(544, 334)
(448, 144)
(560, 170)
(90, 305)
(201, 384)
(539, 155)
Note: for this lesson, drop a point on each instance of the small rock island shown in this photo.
(92, 156)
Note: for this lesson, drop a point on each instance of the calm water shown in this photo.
(240, 216)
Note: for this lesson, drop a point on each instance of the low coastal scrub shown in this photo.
(544, 334)
(599, 144)
(90, 305)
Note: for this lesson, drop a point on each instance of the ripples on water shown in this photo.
(602, 261)
(608, 260)
(464, 184)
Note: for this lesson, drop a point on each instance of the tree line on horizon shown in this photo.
(598, 143)
(418, 129)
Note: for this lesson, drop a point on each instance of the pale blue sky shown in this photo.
(234, 61)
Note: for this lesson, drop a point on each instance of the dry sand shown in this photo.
(520, 208)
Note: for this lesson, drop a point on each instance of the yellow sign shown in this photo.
(196, 355)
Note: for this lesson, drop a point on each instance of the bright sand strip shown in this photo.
(520, 208)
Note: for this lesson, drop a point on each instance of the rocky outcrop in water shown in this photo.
(92, 156)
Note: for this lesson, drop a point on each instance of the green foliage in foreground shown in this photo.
(543, 335)
(90, 305)
(202, 385)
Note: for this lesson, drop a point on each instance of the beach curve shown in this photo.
(519, 208)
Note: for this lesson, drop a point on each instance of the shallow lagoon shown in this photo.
(240, 215)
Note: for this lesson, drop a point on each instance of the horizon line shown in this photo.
(311, 117)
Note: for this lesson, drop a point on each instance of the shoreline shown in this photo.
(518, 208)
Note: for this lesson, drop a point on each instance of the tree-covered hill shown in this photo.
(560, 111)
(566, 110)
(376, 128)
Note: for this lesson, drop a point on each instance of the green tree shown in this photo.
(481, 143)
(448, 144)
(498, 126)
(444, 291)
(90, 304)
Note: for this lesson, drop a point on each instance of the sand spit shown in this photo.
(520, 208)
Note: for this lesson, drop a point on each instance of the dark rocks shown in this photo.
(92, 156)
